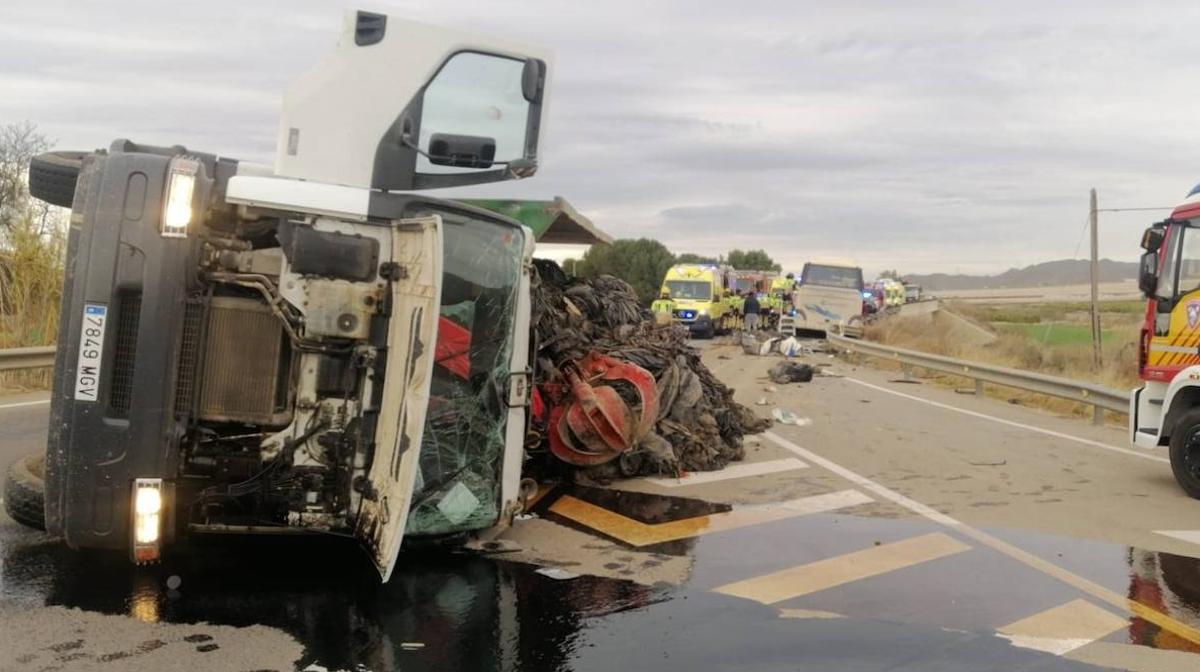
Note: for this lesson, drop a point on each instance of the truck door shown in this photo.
(412, 334)
(403, 106)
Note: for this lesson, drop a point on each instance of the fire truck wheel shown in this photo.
(52, 176)
(24, 491)
(1185, 452)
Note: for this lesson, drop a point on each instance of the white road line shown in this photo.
(1091, 588)
(20, 404)
(731, 472)
(1063, 628)
(1190, 536)
(1012, 423)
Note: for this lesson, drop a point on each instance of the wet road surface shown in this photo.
(462, 612)
(820, 561)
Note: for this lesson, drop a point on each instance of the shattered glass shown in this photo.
(462, 450)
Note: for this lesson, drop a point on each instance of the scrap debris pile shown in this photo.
(696, 424)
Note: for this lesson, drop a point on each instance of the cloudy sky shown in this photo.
(939, 136)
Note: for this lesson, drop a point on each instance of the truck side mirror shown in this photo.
(1152, 238)
(1148, 273)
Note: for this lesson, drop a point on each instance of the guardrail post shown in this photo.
(978, 387)
(1097, 415)
(908, 371)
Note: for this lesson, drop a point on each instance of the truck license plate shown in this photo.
(91, 346)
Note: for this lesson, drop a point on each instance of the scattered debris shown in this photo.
(790, 372)
(698, 426)
(790, 347)
(762, 401)
(770, 388)
(909, 381)
(760, 343)
(411, 646)
(1001, 463)
(557, 573)
(785, 417)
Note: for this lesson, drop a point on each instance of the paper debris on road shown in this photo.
(557, 573)
(785, 417)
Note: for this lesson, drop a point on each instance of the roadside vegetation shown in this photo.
(1050, 338)
(643, 262)
(32, 247)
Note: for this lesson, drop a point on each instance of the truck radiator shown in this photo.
(247, 364)
(120, 391)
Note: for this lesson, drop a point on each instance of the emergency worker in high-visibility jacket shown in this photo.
(663, 308)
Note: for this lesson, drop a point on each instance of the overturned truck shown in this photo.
(316, 347)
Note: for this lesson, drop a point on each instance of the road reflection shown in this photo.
(1170, 585)
(440, 611)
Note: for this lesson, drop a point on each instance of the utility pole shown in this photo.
(1094, 216)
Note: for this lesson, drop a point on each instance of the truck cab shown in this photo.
(699, 292)
(1165, 411)
(313, 347)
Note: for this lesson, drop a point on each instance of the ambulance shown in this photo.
(699, 292)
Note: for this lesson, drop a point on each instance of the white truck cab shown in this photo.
(311, 348)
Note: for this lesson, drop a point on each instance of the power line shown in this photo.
(1133, 209)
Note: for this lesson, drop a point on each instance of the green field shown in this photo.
(1033, 313)
(1058, 333)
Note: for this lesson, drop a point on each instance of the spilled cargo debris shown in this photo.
(790, 372)
(694, 424)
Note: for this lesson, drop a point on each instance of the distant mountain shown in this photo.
(1045, 274)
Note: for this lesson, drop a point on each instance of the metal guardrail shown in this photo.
(1099, 398)
(13, 359)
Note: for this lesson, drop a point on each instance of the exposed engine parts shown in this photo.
(285, 374)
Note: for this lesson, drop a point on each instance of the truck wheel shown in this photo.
(24, 491)
(52, 176)
(1185, 452)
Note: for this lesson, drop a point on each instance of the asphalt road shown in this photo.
(905, 527)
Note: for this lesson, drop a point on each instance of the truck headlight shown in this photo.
(147, 518)
(181, 190)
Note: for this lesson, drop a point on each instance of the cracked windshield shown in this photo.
(792, 336)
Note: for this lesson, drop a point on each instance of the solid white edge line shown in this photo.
(1013, 423)
(19, 404)
(1188, 536)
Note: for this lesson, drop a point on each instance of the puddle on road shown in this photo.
(440, 611)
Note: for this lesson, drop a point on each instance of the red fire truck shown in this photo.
(1166, 409)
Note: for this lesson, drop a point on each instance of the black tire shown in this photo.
(24, 491)
(52, 176)
(1185, 452)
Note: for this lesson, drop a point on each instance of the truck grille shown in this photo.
(120, 391)
(189, 350)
